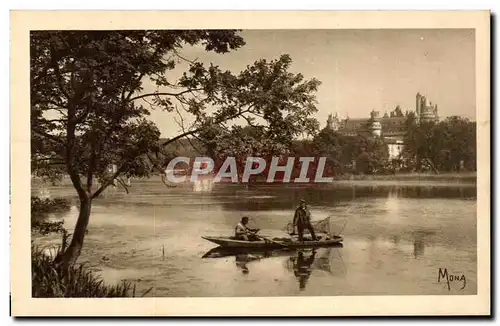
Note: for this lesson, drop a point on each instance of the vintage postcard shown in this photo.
(241, 163)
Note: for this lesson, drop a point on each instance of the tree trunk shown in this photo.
(73, 251)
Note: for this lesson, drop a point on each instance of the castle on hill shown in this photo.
(391, 128)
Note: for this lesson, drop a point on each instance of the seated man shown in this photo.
(242, 232)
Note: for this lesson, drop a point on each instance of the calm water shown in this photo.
(396, 239)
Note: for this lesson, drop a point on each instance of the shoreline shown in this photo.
(403, 179)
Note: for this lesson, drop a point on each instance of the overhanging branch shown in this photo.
(120, 181)
(164, 94)
(194, 131)
(109, 181)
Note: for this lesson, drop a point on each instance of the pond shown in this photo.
(397, 237)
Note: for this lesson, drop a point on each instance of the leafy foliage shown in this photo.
(40, 208)
(93, 82)
(442, 146)
(367, 153)
(43, 227)
(89, 111)
(43, 206)
(84, 88)
(277, 106)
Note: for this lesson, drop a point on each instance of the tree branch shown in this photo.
(181, 124)
(48, 161)
(58, 120)
(155, 165)
(109, 181)
(248, 120)
(185, 134)
(56, 104)
(217, 121)
(195, 147)
(84, 115)
(132, 91)
(163, 94)
(162, 172)
(120, 181)
(59, 80)
(75, 179)
(90, 172)
(70, 143)
(141, 75)
(49, 136)
(184, 58)
(151, 106)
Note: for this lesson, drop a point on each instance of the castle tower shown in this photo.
(425, 111)
(333, 122)
(428, 112)
(374, 125)
(329, 122)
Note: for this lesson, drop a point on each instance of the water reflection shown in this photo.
(421, 239)
(272, 197)
(301, 262)
(302, 267)
(243, 259)
(264, 197)
(418, 247)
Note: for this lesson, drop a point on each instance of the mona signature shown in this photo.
(443, 276)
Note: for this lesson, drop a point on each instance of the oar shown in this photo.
(270, 240)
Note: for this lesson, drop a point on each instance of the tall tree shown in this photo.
(441, 146)
(87, 100)
(330, 144)
(341, 151)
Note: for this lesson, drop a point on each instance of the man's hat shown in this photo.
(302, 200)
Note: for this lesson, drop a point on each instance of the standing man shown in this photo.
(302, 220)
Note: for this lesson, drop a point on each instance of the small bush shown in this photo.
(40, 208)
(44, 206)
(49, 281)
(46, 227)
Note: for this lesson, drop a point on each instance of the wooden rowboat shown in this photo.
(230, 242)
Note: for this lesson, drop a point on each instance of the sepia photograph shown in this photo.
(308, 163)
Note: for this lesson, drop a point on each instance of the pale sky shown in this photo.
(361, 70)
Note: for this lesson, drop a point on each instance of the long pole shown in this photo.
(266, 238)
(345, 223)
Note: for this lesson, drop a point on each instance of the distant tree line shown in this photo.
(448, 145)
(445, 146)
